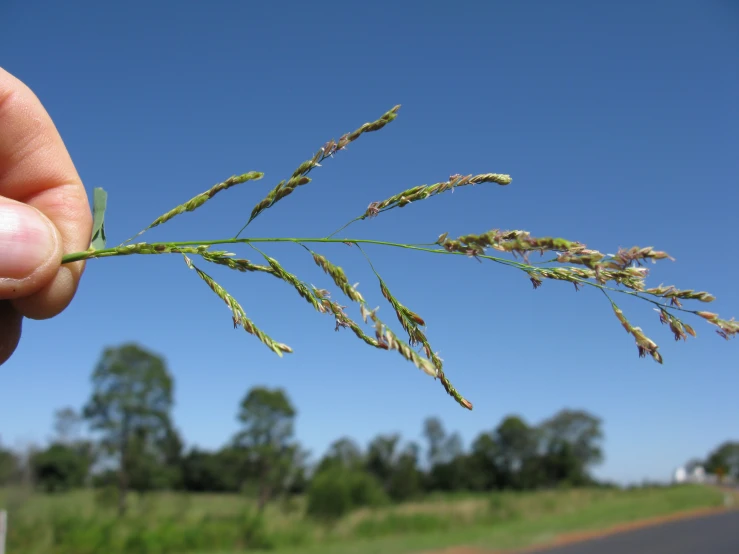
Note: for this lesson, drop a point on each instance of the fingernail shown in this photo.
(26, 240)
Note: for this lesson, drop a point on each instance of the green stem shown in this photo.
(345, 226)
(123, 250)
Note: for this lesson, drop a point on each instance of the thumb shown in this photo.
(30, 249)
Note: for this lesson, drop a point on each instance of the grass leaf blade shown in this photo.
(99, 205)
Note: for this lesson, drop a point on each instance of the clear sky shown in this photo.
(617, 121)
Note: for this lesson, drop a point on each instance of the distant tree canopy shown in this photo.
(343, 453)
(571, 442)
(62, 467)
(724, 460)
(130, 405)
(9, 466)
(67, 424)
(266, 437)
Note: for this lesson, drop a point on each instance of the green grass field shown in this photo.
(85, 523)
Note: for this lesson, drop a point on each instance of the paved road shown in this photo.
(714, 534)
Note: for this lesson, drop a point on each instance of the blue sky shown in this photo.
(617, 122)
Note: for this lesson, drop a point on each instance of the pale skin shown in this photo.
(44, 214)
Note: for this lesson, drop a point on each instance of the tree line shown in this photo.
(136, 447)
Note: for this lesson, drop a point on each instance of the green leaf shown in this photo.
(98, 219)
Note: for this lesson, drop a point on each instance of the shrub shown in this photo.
(335, 492)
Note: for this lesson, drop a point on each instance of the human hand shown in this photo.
(44, 213)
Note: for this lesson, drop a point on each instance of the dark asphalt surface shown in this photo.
(714, 534)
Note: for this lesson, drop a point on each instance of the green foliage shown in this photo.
(9, 467)
(106, 496)
(516, 448)
(67, 424)
(267, 418)
(71, 534)
(366, 491)
(170, 523)
(342, 453)
(212, 471)
(64, 531)
(725, 459)
(396, 469)
(572, 442)
(329, 496)
(401, 524)
(336, 491)
(406, 480)
(61, 467)
(130, 406)
(502, 508)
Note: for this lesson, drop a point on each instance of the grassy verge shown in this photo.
(81, 523)
(511, 520)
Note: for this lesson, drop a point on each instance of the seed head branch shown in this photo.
(197, 201)
(421, 192)
(623, 272)
(237, 312)
(299, 176)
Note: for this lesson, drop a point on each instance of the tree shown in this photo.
(395, 468)
(516, 451)
(571, 443)
(219, 471)
(442, 448)
(155, 459)
(406, 480)
(343, 453)
(447, 463)
(267, 418)
(67, 423)
(725, 459)
(484, 462)
(336, 490)
(61, 467)
(435, 435)
(9, 466)
(381, 457)
(130, 406)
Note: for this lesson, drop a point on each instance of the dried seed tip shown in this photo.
(727, 329)
(536, 281)
(449, 388)
(625, 257)
(708, 315)
(416, 318)
(237, 312)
